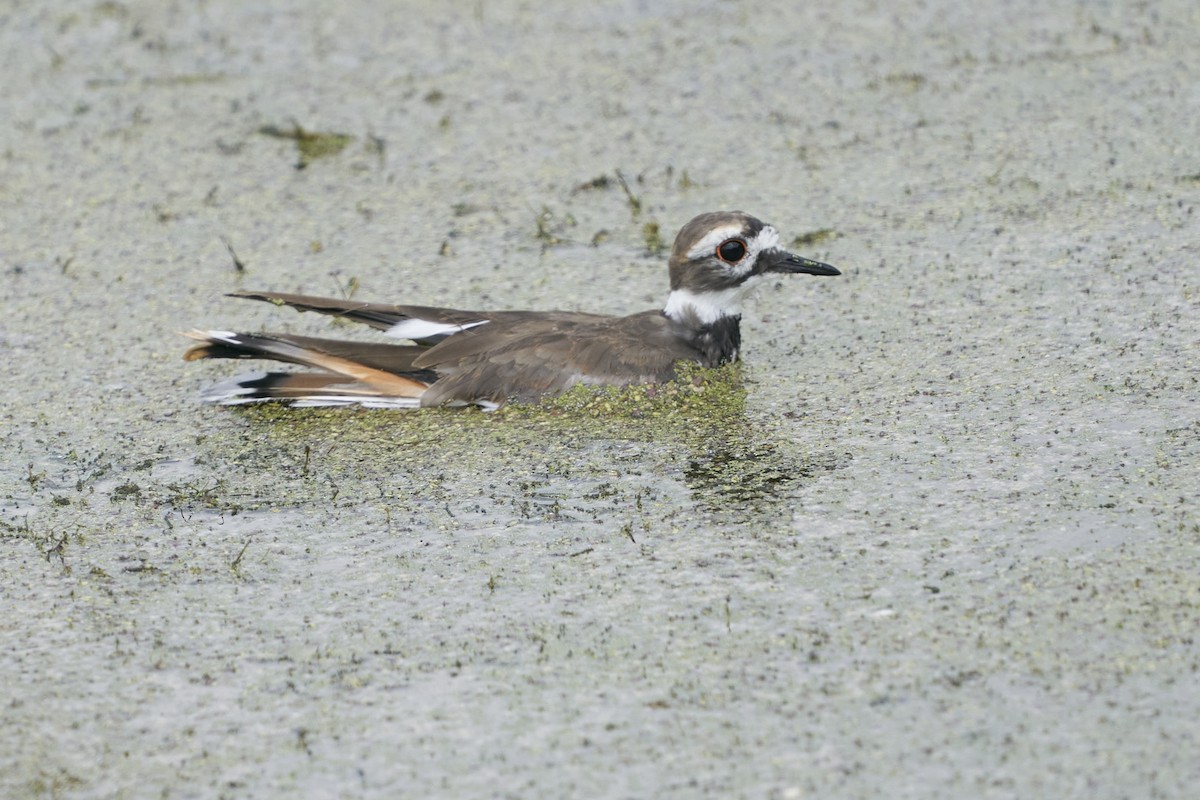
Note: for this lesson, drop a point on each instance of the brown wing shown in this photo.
(378, 315)
(493, 358)
(525, 358)
(429, 319)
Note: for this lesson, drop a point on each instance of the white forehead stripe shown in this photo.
(708, 245)
(767, 238)
(417, 329)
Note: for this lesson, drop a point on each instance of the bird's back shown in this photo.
(523, 357)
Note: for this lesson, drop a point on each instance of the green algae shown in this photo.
(696, 393)
(694, 429)
(311, 145)
(698, 397)
(818, 236)
(652, 237)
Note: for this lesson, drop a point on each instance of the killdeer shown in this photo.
(488, 358)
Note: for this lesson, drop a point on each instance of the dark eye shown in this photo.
(731, 251)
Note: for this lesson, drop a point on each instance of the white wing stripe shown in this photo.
(417, 329)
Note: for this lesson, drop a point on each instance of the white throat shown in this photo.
(705, 307)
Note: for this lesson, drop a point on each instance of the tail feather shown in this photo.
(383, 356)
(352, 373)
(304, 389)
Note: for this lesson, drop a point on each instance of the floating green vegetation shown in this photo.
(652, 236)
(310, 144)
(815, 237)
(696, 393)
(736, 471)
(190, 79)
(698, 401)
(551, 228)
(126, 491)
(464, 209)
(905, 81)
(635, 202)
(697, 422)
(598, 182)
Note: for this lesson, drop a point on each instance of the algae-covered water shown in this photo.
(938, 539)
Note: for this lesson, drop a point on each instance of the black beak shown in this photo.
(774, 260)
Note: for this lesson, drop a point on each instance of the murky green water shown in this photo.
(944, 545)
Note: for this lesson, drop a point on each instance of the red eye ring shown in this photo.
(731, 251)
